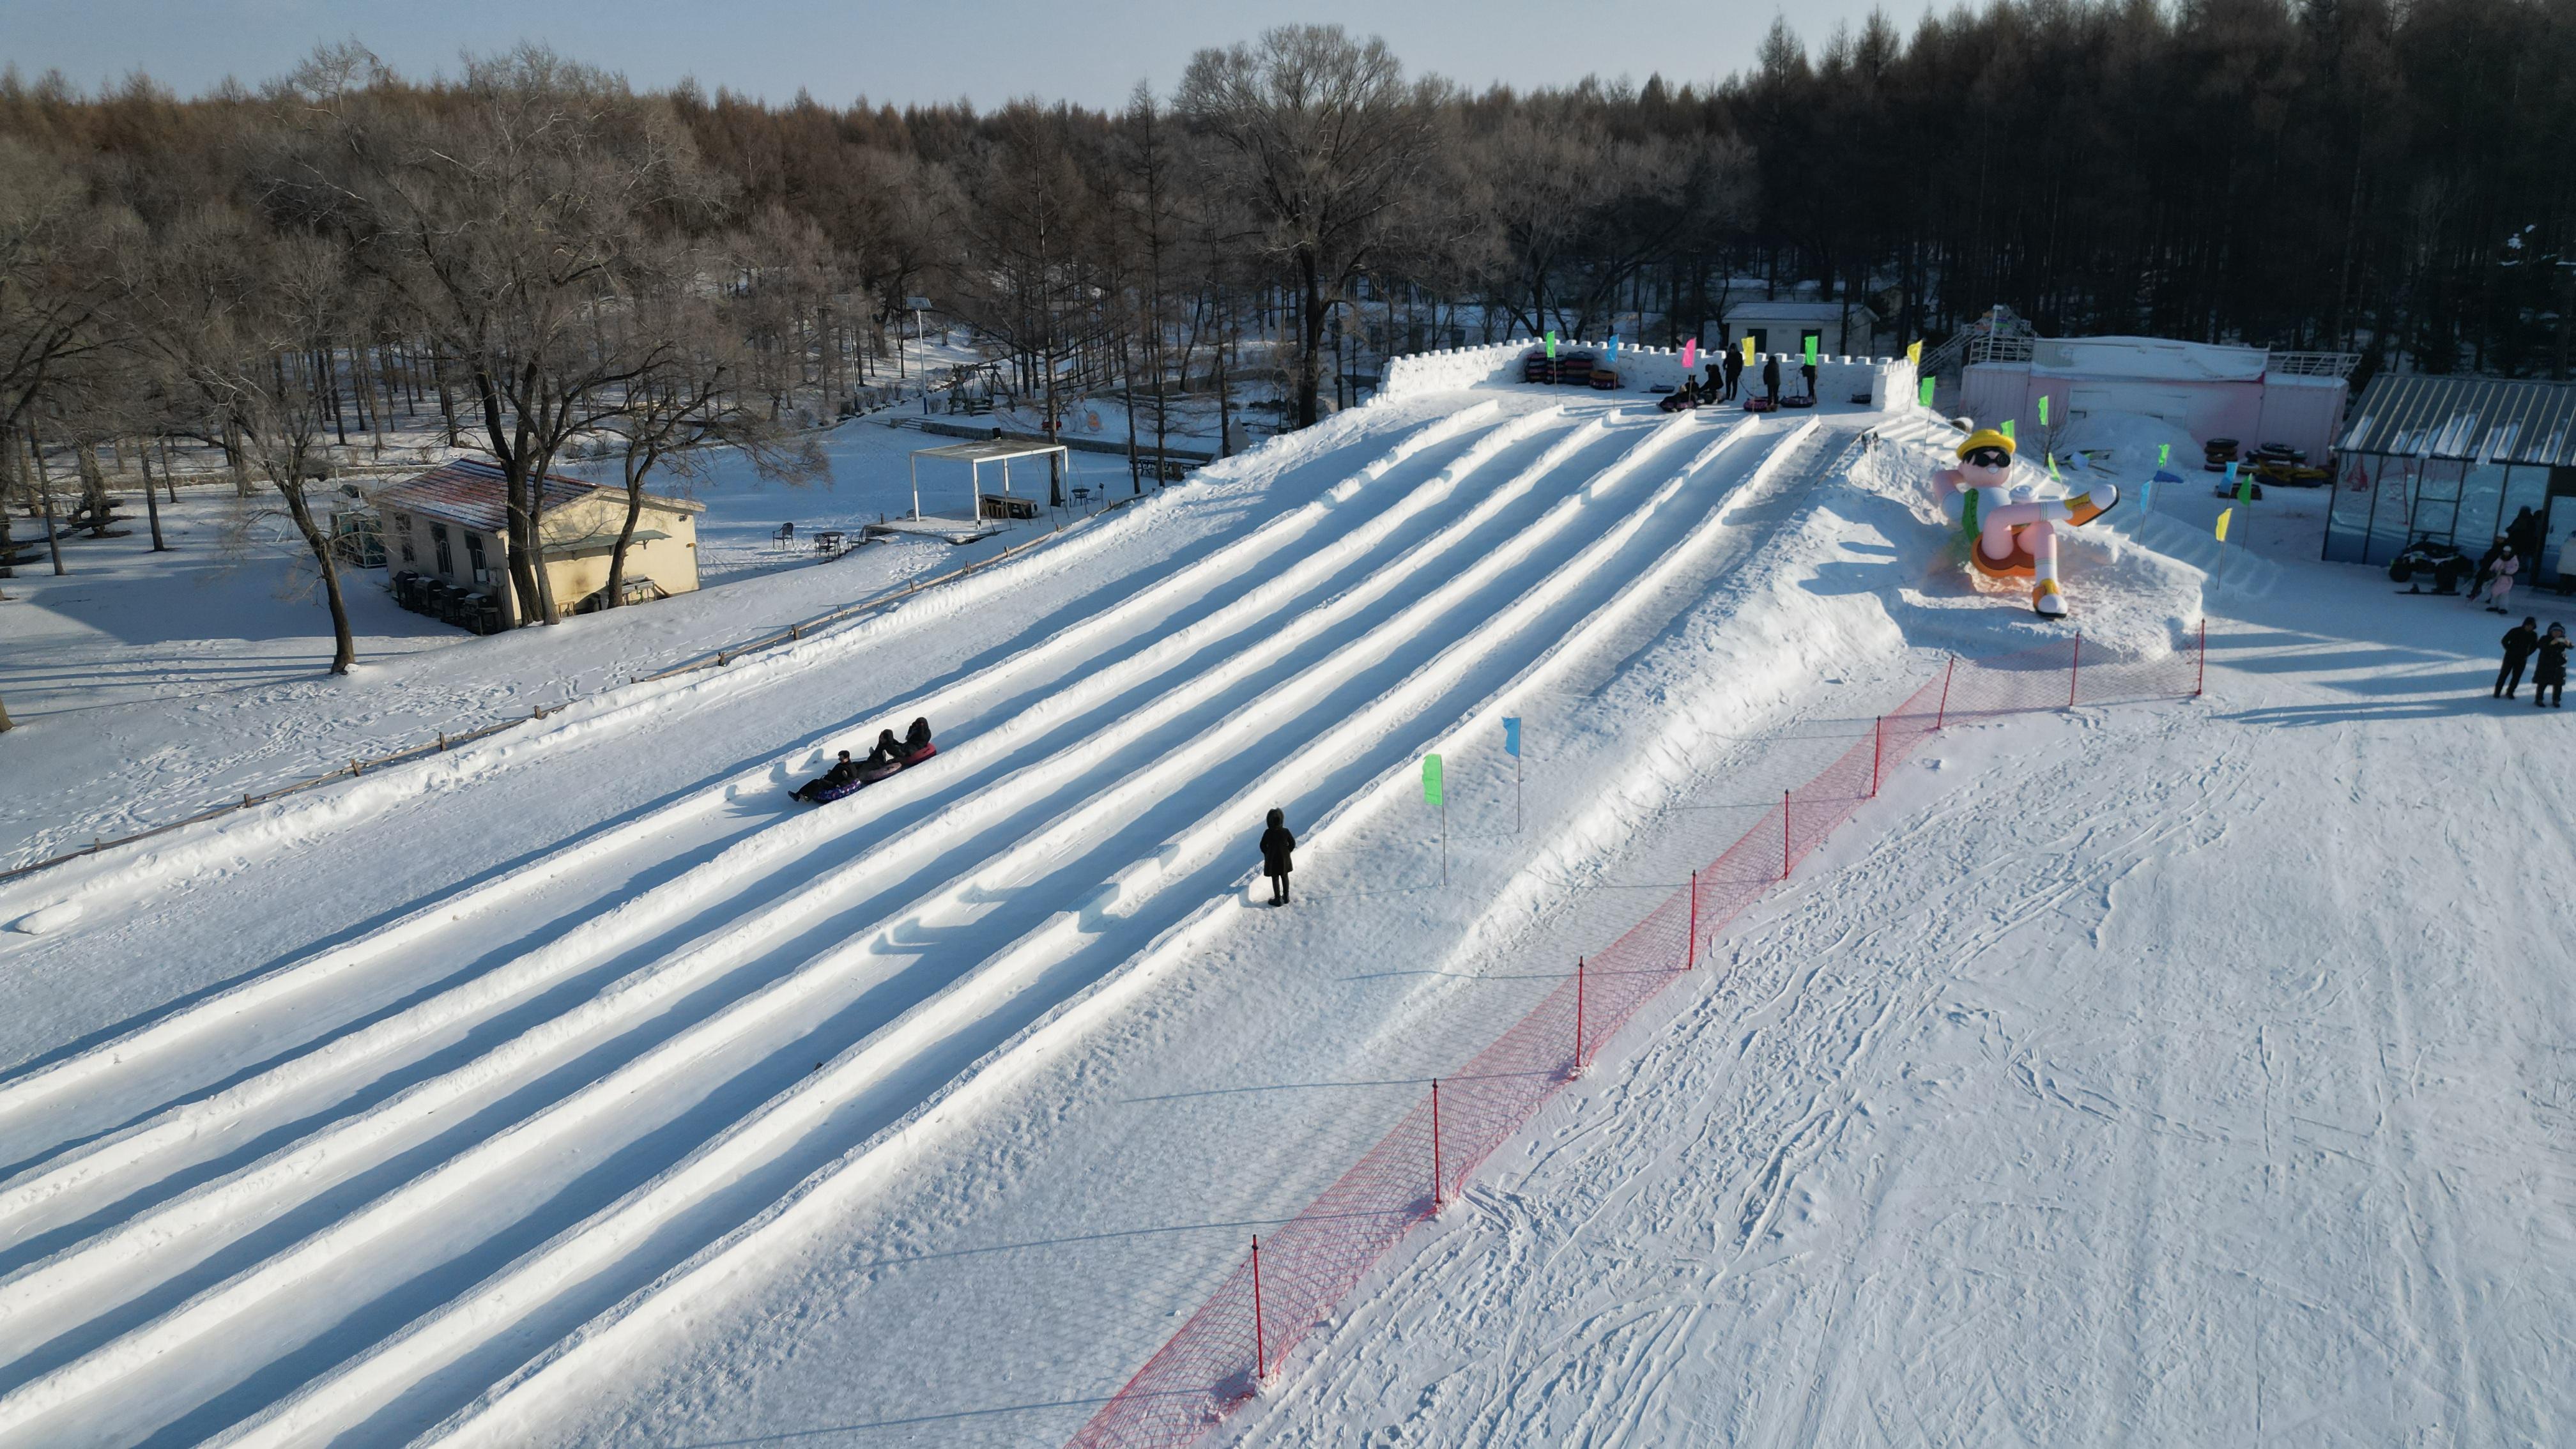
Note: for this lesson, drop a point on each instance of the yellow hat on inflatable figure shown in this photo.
(1988, 438)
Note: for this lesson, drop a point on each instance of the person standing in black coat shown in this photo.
(1807, 372)
(2519, 644)
(1277, 846)
(1771, 378)
(1734, 372)
(2549, 678)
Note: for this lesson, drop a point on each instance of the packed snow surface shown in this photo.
(2183, 1072)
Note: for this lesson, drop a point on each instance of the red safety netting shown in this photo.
(1293, 1278)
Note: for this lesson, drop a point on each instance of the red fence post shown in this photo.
(1785, 837)
(1690, 949)
(1435, 1146)
(1260, 1368)
(1578, 1016)
(1877, 749)
(1946, 671)
(2201, 677)
(2074, 670)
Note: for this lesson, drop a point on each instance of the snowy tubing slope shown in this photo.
(1103, 1204)
(584, 1357)
(214, 1204)
(189, 1266)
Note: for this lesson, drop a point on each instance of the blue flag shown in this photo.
(1512, 736)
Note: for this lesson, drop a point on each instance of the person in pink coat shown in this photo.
(2506, 565)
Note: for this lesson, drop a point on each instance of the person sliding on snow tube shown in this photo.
(2010, 533)
(884, 760)
(916, 743)
(1277, 856)
(843, 772)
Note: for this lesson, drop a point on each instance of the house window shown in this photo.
(446, 559)
(474, 555)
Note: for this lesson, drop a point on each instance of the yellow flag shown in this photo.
(1748, 352)
(1914, 354)
(2224, 514)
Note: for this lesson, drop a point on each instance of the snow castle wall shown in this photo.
(1889, 381)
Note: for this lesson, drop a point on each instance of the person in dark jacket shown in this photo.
(888, 750)
(841, 773)
(2549, 677)
(2519, 644)
(917, 739)
(1734, 372)
(1276, 847)
(1771, 379)
(2524, 534)
(1807, 372)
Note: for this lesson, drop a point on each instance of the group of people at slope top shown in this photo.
(2548, 676)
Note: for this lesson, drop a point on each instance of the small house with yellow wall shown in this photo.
(446, 538)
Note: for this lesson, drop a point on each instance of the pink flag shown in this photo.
(1690, 353)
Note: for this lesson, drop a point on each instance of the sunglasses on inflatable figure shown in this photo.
(1990, 458)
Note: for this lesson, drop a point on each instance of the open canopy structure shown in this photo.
(975, 455)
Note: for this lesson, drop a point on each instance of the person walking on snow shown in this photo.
(1277, 846)
(2549, 678)
(2519, 644)
(1734, 372)
(2506, 566)
(1771, 378)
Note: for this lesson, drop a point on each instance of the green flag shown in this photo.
(2244, 487)
(2043, 410)
(1927, 390)
(1430, 779)
(1551, 342)
(2164, 454)
(2008, 427)
(1811, 352)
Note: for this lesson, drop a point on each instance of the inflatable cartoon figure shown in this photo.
(2012, 532)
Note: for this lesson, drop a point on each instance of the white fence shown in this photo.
(1888, 382)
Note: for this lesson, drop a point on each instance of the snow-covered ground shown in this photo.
(2192, 1072)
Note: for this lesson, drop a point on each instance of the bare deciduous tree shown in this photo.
(1325, 140)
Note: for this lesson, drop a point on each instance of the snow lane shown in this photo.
(700, 893)
(1322, 759)
(262, 1001)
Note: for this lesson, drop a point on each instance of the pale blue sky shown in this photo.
(987, 50)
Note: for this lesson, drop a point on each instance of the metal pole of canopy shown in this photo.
(916, 487)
